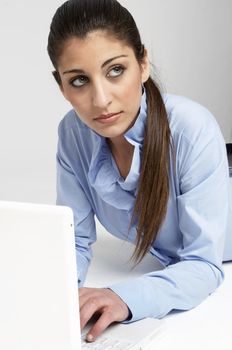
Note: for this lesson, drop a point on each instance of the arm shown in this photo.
(202, 204)
(70, 193)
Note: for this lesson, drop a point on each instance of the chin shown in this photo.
(112, 132)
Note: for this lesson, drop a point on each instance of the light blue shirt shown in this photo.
(191, 240)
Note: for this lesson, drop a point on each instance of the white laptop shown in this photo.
(38, 293)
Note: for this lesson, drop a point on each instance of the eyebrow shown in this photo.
(80, 71)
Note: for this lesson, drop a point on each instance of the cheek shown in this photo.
(79, 103)
(132, 88)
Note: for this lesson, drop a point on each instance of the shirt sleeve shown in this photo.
(71, 193)
(202, 203)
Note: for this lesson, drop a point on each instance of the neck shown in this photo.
(120, 146)
(122, 152)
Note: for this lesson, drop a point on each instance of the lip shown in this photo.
(108, 118)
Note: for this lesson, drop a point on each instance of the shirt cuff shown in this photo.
(132, 293)
(82, 268)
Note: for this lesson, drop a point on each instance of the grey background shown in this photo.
(190, 45)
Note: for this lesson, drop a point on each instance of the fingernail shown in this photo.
(89, 337)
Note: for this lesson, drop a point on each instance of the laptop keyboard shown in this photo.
(104, 343)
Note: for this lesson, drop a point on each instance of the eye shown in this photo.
(115, 71)
(79, 81)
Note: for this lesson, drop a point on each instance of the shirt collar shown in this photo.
(135, 134)
(104, 176)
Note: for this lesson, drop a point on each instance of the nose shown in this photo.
(101, 96)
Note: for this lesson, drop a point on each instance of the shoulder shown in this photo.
(72, 130)
(197, 139)
(75, 139)
(70, 122)
(189, 119)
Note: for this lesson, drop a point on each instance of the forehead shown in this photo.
(95, 48)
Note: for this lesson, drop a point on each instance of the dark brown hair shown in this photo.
(77, 18)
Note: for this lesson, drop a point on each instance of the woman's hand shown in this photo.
(104, 302)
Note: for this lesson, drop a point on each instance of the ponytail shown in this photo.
(153, 188)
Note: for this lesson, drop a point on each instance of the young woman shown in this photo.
(152, 167)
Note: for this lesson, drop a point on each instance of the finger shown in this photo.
(102, 323)
(80, 291)
(88, 295)
(89, 308)
(83, 290)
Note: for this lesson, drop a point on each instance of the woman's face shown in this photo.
(101, 78)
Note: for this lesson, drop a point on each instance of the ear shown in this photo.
(145, 67)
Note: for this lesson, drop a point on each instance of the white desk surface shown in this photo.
(207, 326)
